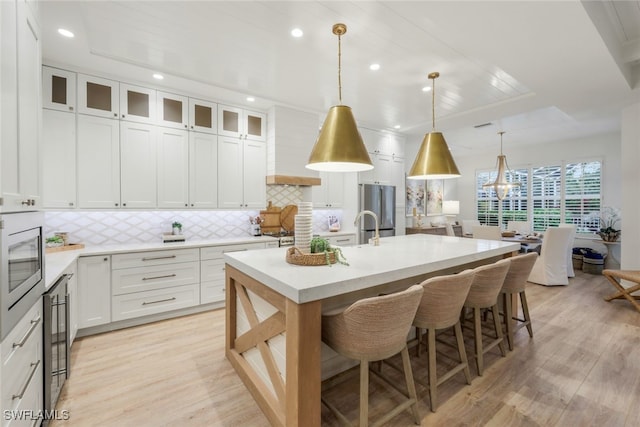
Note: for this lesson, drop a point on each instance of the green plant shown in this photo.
(54, 239)
(176, 224)
(321, 245)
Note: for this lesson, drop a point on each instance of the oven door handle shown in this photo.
(34, 325)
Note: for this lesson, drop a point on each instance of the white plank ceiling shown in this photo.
(541, 70)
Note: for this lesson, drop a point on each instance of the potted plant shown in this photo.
(176, 227)
(609, 218)
(320, 245)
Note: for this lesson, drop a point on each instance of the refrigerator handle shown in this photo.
(383, 207)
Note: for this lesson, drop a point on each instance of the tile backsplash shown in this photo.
(115, 227)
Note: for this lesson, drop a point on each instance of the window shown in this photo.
(548, 195)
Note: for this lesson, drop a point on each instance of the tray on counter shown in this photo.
(69, 247)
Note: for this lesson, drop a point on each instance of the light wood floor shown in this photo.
(582, 368)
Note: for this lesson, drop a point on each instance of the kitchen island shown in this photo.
(273, 317)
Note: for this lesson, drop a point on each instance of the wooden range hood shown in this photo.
(292, 180)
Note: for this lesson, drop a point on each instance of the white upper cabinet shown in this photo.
(203, 170)
(137, 104)
(138, 151)
(58, 89)
(233, 121)
(59, 155)
(203, 116)
(242, 166)
(255, 170)
(330, 194)
(172, 110)
(382, 142)
(98, 97)
(173, 168)
(98, 153)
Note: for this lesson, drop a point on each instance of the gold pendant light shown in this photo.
(339, 147)
(434, 160)
(501, 185)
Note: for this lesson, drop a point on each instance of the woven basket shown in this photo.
(295, 256)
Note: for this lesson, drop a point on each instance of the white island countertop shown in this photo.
(396, 258)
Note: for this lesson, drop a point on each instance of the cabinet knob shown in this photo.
(116, 204)
(105, 259)
(124, 204)
(123, 116)
(115, 114)
(191, 126)
(70, 108)
(185, 126)
(70, 203)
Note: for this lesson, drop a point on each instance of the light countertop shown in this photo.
(396, 258)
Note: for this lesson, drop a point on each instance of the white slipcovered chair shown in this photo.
(487, 232)
(570, 272)
(467, 226)
(550, 268)
(522, 227)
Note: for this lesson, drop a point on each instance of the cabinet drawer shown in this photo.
(342, 240)
(22, 361)
(218, 251)
(212, 292)
(139, 279)
(212, 269)
(157, 301)
(142, 259)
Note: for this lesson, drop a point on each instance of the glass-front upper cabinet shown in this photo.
(203, 116)
(233, 121)
(58, 89)
(137, 104)
(98, 97)
(172, 110)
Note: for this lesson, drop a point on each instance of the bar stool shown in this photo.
(483, 294)
(370, 330)
(440, 308)
(515, 283)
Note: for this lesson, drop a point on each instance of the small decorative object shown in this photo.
(53, 242)
(64, 235)
(334, 223)
(176, 227)
(609, 218)
(322, 253)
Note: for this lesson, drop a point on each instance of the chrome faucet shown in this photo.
(376, 238)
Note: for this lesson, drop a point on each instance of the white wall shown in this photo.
(630, 178)
(606, 147)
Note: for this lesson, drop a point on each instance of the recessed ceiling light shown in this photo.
(396, 127)
(426, 88)
(374, 67)
(297, 32)
(158, 76)
(65, 33)
(250, 98)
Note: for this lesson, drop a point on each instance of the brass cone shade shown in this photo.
(339, 147)
(434, 160)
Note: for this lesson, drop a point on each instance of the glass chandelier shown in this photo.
(505, 178)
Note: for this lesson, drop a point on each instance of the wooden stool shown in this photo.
(630, 275)
(515, 283)
(484, 291)
(440, 308)
(370, 330)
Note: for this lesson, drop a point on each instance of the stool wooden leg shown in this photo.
(525, 311)
(433, 382)
(498, 328)
(508, 321)
(364, 393)
(411, 387)
(462, 352)
(477, 332)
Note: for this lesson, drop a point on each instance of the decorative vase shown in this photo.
(610, 236)
(177, 230)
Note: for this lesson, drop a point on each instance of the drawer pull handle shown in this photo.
(34, 325)
(342, 240)
(234, 250)
(34, 368)
(160, 300)
(158, 257)
(159, 277)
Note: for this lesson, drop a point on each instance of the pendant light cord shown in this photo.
(433, 104)
(339, 68)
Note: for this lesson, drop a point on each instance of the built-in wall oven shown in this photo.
(21, 266)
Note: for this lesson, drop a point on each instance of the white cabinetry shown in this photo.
(20, 112)
(212, 287)
(330, 193)
(342, 239)
(59, 159)
(172, 110)
(72, 291)
(203, 116)
(138, 151)
(98, 151)
(137, 104)
(245, 124)
(98, 96)
(21, 370)
(203, 170)
(94, 291)
(173, 168)
(146, 283)
(242, 163)
(58, 89)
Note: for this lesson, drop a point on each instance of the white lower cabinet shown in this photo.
(21, 370)
(153, 282)
(342, 240)
(94, 291)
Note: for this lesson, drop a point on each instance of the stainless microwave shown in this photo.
(21, 266)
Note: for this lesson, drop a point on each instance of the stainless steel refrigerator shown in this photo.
(381, 200)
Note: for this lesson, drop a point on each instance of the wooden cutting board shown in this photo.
(271, 219)
(288, 216)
